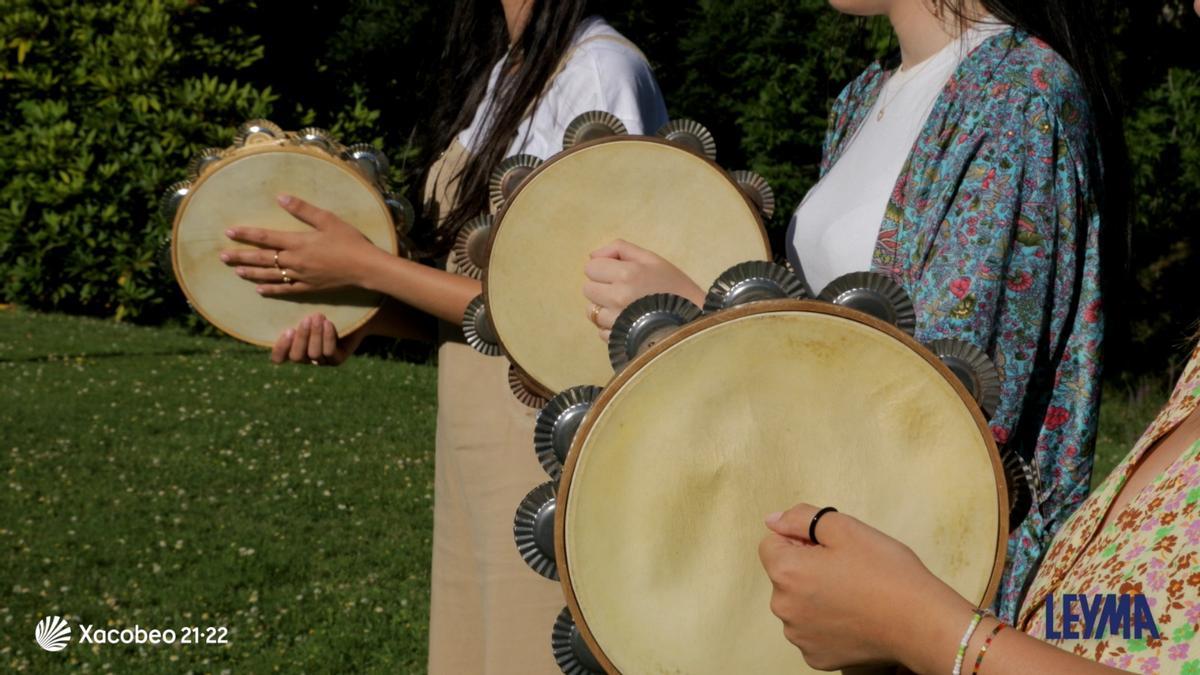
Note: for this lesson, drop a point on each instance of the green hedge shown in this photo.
(105, 102)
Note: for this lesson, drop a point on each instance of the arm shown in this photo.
(335, 255)
(860, 597)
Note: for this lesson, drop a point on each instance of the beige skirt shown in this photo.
(490, 614)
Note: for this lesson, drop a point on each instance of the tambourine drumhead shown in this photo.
(646, 191)
(241, 191)
(746, 413)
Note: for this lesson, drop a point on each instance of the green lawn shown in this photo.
(153, 478)
(164, 480)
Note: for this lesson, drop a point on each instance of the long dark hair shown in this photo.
(1074, 29)
(478, 39)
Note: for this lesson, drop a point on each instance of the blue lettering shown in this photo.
(1069, 617)
(1143, 619)
(1090, 612)
(1114, 615)
(1101, 615)
(1051, 633)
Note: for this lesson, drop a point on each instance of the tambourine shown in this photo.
(662, 193)
(238, 186)
(718, 416)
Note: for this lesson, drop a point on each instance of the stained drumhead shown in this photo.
(646, 191)
(241, 191)
(746, 413)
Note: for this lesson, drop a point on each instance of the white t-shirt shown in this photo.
(834, 229)
(600, 74)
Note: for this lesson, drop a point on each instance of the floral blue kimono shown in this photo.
(993, 229)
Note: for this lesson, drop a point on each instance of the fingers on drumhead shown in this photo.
(797, 523)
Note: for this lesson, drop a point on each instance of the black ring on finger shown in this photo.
(812, 526)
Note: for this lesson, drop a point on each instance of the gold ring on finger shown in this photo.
(594, 315)
(286, 279)
(277, 260)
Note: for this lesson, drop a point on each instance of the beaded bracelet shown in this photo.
(976, 616)
(986, 644)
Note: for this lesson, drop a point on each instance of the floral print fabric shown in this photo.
(1151, 547)
(993, 230)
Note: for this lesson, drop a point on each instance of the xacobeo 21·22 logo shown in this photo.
(53, 634)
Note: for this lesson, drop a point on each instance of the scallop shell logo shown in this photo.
(53, 634)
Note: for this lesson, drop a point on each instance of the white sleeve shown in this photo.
(600, 76)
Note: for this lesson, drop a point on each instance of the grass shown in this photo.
(159, 479)
(1125, 412)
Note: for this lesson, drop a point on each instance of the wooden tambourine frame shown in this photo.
(238, 154)
(700, 325)
(528, 380)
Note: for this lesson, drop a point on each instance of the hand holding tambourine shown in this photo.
(328, 258)
(621, 272)
(315, 341)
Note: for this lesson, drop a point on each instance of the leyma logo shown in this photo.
(53, 634)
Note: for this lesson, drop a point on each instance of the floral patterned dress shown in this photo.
(993, 229)
(1152, 547)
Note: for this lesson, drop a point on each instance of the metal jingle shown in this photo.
(645, 323)
(533, 529)
(521, 390)
(171, 198)
(875, 294)
(317, 138)
(557, 423)
(477, 328)
(470, 249)
(753, 281)
(690, 135)
(974, 369)
(162, 256)
(758, 190)
(571, 652)
(403, 214)
(202, 161)
(592, 125)
(370, 162)
(1022, 488)
(258, 131)
(508, 176)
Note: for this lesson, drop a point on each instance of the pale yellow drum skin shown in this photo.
(241, 191)
(662, 502)
(646, 191)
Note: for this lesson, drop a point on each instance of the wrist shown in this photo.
(369, 273)
(927, 636)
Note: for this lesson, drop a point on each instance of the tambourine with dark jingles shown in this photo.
(717, 416)
(238, 186)
(663, 193)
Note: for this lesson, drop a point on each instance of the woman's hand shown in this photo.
(857, 598)
(315, 341)
(330, 257)
(620, 273)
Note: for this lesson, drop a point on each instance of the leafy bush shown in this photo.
(108, 103)
(111, 98)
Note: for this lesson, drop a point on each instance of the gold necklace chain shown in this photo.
(912, 75)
